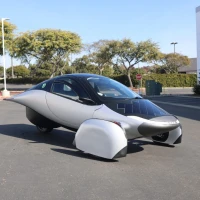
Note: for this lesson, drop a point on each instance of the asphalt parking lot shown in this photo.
(185, 100)
(36, 166)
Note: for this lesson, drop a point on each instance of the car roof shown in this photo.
(81, 75)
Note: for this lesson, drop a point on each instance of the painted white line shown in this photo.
(177, 104)
(192, 97)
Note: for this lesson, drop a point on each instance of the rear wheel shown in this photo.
(44, 129)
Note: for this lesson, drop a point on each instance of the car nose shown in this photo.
(158, 125)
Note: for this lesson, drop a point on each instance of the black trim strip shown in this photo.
(39, 120)
(179, 140)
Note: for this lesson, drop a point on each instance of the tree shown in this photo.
(46, 45)
(101, 59)
(47, 68)
(99, 55)
(32, 68)
(68, 70)
(171, 62)
(8, 35)
(108, 70)
(84, 65)
(19, 71)
(1, 71)
(43, 71)
(95, 46)
(141, 70)
(127, 54)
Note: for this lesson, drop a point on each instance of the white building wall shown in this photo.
(198, 43)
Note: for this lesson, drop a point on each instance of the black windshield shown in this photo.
(106, 87)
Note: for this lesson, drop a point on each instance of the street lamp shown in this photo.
(174, 43)
(5, 92)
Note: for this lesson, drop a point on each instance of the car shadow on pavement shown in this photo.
(61, 138)
(80, 154)
(141, 142)
(132, 148)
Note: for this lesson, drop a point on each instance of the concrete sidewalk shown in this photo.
(11, 94)
(16, 87)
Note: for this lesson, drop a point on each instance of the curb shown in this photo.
(11, 94)
(171, 95)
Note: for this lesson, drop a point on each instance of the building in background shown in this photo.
(191, 69)
(198, 43)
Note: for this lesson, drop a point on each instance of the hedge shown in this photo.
(172, 80)
(167, 80)
(27, 80)
(124, 80)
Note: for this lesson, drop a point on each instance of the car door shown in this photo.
(64, 102)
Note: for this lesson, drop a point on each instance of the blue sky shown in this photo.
(160, 20)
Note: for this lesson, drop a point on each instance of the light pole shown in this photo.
(174, 43)
(12, 67)
(5, 92)
(139, 80)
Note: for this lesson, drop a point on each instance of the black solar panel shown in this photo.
(141, 107)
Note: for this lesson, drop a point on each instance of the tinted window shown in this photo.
(64, 90)
(106, 87)
(45, 85)
(76, 86)
(42, 86)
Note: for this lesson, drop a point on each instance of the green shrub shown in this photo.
(121, 78)
(196, 89)
(167, 80)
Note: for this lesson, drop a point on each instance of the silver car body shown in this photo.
(101, 131)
